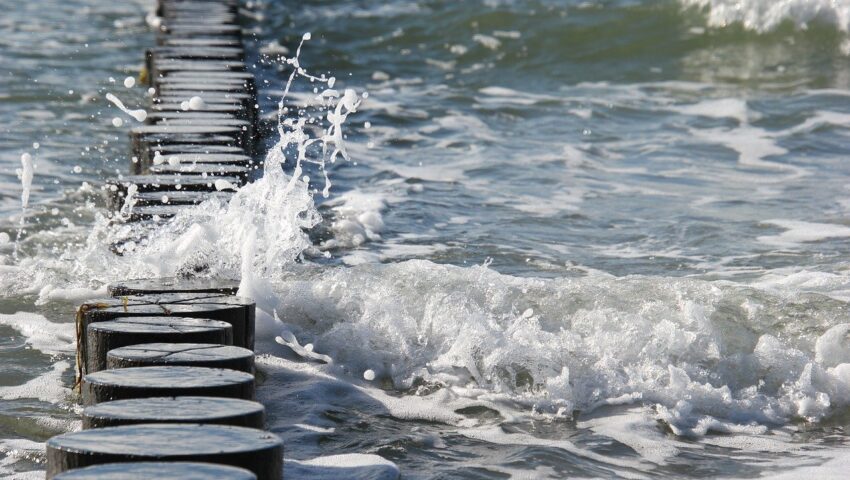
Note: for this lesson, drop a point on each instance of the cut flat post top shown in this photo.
(208, 355)
(185, 409)
(147, 286)
(238, 311)
(255, 450)
(178, 197)
(143, 382)
(101, 337)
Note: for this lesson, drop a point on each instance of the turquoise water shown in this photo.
(586, 239)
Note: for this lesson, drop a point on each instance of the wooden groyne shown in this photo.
(165, 367)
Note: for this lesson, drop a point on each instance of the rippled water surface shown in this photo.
(586, 239)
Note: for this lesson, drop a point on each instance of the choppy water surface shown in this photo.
(583, 239)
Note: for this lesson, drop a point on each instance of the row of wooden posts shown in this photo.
(165, 367)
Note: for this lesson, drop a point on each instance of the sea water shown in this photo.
(586, 239)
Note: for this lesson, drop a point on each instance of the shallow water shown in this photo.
(575, 239)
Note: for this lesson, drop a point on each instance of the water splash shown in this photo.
(25, 173)
(260, 230)
(292, 130)
(129, 201)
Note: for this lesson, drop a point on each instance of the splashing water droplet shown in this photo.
(129, 82)
(129, 201)
(140, 115)
(224, 185)
(26, 174)
(197, 103)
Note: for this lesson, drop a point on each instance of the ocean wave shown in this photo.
(766, 15)
(707, 356)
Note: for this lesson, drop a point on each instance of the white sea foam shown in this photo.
(16, 449)
(720, 108)
(357, 218)
(48, 387)
(636, 428)
(52, 293)
(797, 232)
(363, 466)
(488, 337)
(487, 41)
(41, 334)
(503, 95)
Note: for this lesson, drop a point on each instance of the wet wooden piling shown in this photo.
(166, 365)
(104, 337)
(255, 450)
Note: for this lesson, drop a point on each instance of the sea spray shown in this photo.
(292, 132)
(270, 215)
(25, 173)
(140, 115)
(129, 201)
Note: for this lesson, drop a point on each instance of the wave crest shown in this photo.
(766, 15)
